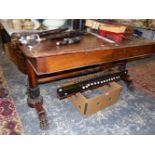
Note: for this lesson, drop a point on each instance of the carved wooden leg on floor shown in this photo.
(127, 79)
(35, 100)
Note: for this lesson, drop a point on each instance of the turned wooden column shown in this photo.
(35, 100)
(127, 79)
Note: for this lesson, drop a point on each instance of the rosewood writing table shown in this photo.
(46, 62)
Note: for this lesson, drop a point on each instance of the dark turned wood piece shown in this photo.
(35, 100)
(129, 82)
(127, 79)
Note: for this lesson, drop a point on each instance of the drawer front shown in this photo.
(71, 61)
(132, 52)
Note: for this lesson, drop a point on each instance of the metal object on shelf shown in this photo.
(69, 37)
(30, 39)
(67, 41)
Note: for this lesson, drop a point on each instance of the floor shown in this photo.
(133, 114)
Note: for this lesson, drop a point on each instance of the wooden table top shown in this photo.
(88, 43)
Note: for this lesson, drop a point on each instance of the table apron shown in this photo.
(58, 63)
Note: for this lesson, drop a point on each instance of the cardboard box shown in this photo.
(92, 101)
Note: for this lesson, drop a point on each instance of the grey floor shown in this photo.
(134, 113)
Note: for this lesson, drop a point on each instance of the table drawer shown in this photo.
(128, 53)
(71, 61)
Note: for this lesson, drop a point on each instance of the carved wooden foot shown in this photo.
(128, 80)
(36, 101)
(42, 116)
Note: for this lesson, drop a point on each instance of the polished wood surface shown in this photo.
(47, 58)
(88, 44)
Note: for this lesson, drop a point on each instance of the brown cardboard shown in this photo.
(89, 105)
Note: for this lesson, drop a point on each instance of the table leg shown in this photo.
(35, 100)
(127, 79)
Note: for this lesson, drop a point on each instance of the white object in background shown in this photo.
(16, 23)
(36, 24)
(10, 30)
(54, 23)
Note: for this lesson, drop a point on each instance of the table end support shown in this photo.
(35, 100)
